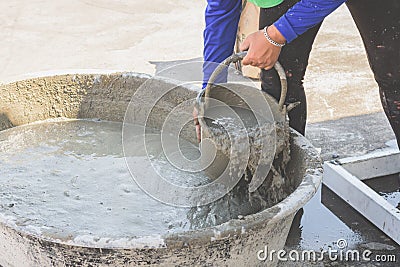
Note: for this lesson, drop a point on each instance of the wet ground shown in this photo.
(384, 186)
(327, 218)
(337, 220)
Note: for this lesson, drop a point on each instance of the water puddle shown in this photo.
(388, 187)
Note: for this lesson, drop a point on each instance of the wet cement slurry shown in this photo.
(68, 180)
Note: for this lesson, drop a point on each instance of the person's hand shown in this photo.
(197, 124)
(261, 53)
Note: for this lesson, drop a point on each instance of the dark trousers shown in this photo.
(379, 26)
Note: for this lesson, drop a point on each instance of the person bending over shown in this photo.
(287, 32)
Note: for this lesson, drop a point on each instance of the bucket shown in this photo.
(257, 119)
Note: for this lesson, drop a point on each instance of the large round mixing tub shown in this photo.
(234, 243)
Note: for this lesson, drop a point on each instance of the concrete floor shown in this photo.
(42, 37)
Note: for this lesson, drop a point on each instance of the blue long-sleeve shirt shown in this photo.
(304, 15)
(222, 18)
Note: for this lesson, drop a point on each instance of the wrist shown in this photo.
(274, 34)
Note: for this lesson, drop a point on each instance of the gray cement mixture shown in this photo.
(68, 180)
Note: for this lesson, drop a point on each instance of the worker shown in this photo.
(287, 32)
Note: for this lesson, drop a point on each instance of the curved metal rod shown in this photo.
(233, 59)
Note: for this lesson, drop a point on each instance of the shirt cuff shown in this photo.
(284, 27)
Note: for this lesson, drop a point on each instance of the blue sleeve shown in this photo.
(222, 18)
(304, 15)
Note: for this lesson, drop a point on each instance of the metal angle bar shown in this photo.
(363, 199)
(377, 164)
